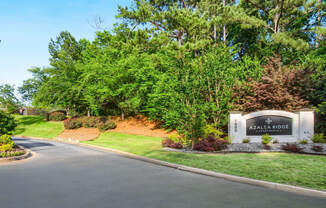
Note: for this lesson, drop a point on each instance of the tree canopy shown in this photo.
(187, 63)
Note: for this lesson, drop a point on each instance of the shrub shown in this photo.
(5, 139)
(211, 144)
(72, 123)
(6, 147)
(303, 141)
(246, 140)
(170, 143)
(6, 143)
(57, 116)
(292, 148)
(275, 141)
(266, 139)
(317, 148)
(174, 137)
(210, 130)
(267, 147)
(228, 139)
(7, 123)
(318, 138)
(92, 121)
(104, 126)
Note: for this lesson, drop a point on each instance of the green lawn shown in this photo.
(36, 126)
(294, 169)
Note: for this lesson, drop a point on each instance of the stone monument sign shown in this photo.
(281, 125)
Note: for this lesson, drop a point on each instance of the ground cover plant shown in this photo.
(8, 147)
(294, 169)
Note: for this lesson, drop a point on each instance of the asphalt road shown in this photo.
(68, 176)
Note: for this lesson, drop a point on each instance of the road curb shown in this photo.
(27, 154)
(239, 179)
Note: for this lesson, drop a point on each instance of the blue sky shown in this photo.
(28, 25)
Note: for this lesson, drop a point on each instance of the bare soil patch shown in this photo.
(140, 125)
(81, 134)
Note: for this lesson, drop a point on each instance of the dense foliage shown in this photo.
(188, 63)
(102, 123)
(6, 143)
(7, 123)
(57, 116)
(8, 100)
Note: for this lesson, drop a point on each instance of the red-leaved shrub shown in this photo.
(170, 143)
(292, 148)
(279, 88)
(211, 144)
(317, 148)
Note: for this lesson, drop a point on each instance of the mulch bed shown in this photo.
(81, 134)
(140, 125)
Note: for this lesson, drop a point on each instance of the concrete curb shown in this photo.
(28, 153)
(239, 179)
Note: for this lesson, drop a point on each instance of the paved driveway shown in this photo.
(68, 176)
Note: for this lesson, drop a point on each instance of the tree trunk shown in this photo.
(319, 37)
(193, 142)
(214, 34)
(88, 113)
(224, 27)
(122, 116)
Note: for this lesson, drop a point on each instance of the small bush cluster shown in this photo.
(7, 123)
(57, 116)
(172, 144)
(211, 144)
(317, 148)
(106, 125)
(6, 143)
(303, 141)
(210, 130)
(318, 138)
(72, 123)
(266, 139)
(102, 123)
(292, 148)
(92, 121)
(246, 140)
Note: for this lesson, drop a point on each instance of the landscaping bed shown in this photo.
(8, 148)
(16, 151)
(255, 147)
